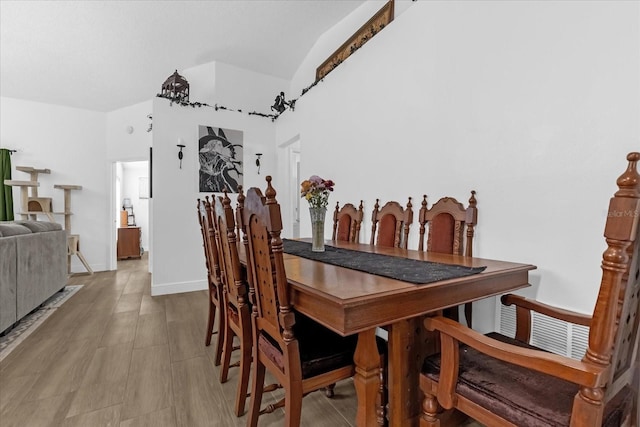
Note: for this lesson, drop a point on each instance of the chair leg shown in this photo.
(257, 385)
(382, 400)
(329, 390)
(293, 405)
(468, 314)
(243, 378)
(430, 409)
(210, 322)
(227, 348)
(635, 411)
(222, 328)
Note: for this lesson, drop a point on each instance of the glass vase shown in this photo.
(317, 228)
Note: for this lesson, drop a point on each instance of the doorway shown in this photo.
(130, 205)
(290, 168)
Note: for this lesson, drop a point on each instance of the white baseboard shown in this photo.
(178, 288)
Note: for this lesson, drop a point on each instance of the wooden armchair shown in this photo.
(447, 220)
(301, 354)
(390, 224)
(501, 381)
(238, 323)
(215, 293)
(346, 222)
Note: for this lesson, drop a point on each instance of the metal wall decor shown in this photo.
(180, 154)
(258, 155)
(373, 26)
(176, 88)
(280, 104)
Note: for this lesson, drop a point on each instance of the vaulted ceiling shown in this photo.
(106, 54)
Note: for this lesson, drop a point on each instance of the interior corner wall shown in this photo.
(179, 264)
(202, 83)
(70, 142)
(235, 88)
(532, 104)
(128, 136)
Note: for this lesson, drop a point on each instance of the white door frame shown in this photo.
(290, 151)
(113, 218)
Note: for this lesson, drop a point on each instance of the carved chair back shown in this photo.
(614, 332)
(214, 280)
(447, 220)
(390, 224)
(234, 282)
(236, 304)
(347, 222)
(272, 311)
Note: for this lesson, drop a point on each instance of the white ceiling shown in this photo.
(106, 54)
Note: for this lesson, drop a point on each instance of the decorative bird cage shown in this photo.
(176, 88)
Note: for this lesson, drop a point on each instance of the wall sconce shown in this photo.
(258, 155)
(181, 146)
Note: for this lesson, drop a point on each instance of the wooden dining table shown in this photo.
(350, 301)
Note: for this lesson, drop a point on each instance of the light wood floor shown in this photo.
(115, 356)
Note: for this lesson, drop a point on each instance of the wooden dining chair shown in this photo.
(214, 283)
(236, 302)
(347, 221)
(502, 381)
(390, 224)
(448, 222)
(301, 354)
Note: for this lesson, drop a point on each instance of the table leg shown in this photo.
(409, 343)
(367, 379)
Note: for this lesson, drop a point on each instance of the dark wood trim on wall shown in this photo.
(150, 172)
(373, 26)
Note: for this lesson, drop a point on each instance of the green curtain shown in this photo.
(6, 195)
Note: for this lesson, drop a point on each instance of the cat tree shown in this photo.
(33, 205)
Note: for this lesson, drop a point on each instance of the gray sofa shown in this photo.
(33, 267)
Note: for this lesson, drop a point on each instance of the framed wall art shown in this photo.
(220, 159)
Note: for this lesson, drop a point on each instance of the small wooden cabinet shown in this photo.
(128, 242)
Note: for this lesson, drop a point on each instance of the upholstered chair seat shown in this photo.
(520, 395)
(321, 350)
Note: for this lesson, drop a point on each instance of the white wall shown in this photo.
(128, 139)
(125, 146)
(533, 104)
(70, 142)
(332, 39)
(233, 87)
(177, 243)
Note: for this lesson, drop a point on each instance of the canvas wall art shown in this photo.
(220, 157)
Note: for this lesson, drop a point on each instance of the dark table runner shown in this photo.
(408, 270)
